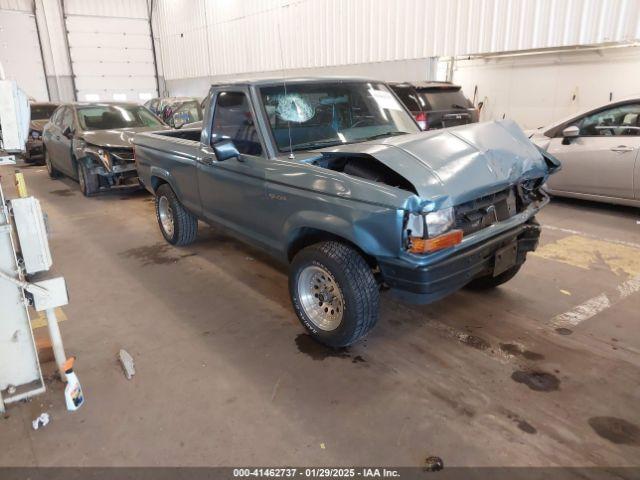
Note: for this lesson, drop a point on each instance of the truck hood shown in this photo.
(459, 164)
(116, 138)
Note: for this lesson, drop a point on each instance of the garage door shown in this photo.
(20, 53)
(111, 55)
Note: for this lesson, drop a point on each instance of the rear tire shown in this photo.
(51, 170)
(89, 183)
(334, 293)
(178, 226)
(489, 281)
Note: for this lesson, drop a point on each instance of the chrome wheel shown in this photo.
(320, 297)
(166, 216)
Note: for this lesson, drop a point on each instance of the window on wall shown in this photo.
(92, 97)
(145, 96)
(120, 97)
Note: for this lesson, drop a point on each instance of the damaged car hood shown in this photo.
(38, 124)
(116, 138)
(459, 164)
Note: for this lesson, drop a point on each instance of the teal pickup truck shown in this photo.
(334, 177)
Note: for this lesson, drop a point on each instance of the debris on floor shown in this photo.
(41, 421)
(128, 366)
(433, 464)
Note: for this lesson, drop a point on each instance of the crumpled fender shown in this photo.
(356, 226)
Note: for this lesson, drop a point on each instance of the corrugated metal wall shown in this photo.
(21, 5)
(207, 38)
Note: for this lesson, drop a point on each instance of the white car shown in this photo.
(598, 149)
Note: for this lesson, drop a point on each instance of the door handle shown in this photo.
(208, 160)
(622, 148)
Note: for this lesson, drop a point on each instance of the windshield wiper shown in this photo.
(386, 134)
(317, 144)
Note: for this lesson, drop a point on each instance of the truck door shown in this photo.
(232, 191)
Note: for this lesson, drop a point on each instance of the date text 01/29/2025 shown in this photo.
(315, 472)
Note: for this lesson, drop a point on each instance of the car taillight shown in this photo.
(422, 120)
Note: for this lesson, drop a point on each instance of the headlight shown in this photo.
(439, 222)
(104, 157)
(100, 154)
(432, 231)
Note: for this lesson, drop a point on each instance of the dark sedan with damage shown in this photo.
(92, 143)
(40, 114)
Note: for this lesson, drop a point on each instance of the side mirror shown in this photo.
(177, 120)
(225, 150)
(67, 132)
(571, 132)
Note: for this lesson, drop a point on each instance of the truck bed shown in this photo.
(168, 151)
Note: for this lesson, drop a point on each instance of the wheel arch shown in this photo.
(304, 237)
(158, 177)
(352, 227)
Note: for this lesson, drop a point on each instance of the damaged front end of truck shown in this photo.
(471, 196)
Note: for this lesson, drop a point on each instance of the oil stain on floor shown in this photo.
(521, 423)
(616, 430)
(564, 331)
(307, 345)
(473, 341)
(65, 192)
(157, 254)
(537, 381)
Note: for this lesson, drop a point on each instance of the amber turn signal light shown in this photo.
(428, 245)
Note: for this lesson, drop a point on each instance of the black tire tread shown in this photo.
(185, 224)
(367, 294)
(54, 172)
(91, 182)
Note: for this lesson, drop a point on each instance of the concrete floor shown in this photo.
(226, 375)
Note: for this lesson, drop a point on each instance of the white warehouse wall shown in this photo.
(215, 39)
(536, 90)
(399, 70)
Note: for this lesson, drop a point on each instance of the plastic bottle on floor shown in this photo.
(73, 391)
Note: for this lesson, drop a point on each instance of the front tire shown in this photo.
(51, 170)
(178, 226)
(89, 183)
(489, 281)
(334, 293)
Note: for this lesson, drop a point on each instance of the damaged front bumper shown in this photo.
(125, 175)
(34, 150)
(428, 283)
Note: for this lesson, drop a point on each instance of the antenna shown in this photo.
(284, 83)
